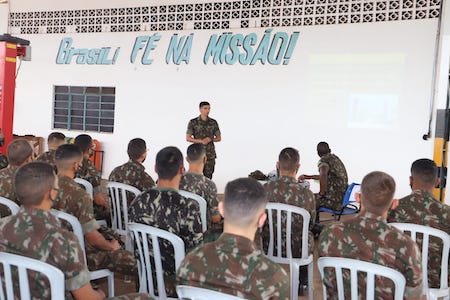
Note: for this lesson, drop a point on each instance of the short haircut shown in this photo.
(168, 162)
(83, 141)
(66, 154)
(243, 199)
(136, 147)
(203, 103)
(289, 159)
(425, 171)
(195, 152)
(33, 181)
(323, 148)
(56, 136)
(377, 190)
(19, 151)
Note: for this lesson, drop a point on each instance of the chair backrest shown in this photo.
(87, 186)
(119, 204)
(11, 262)
(288, 210)
(425, 232)
(196, 293)
(201, 202)
(142, 234)
(75, 224)
(349, 197)
(13, 207)
(355, 267)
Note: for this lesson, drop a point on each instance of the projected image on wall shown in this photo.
(372, 111)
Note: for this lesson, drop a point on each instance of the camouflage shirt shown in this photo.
(168, 210)
(38, 234)
(288, 190)
(48, 157)
(337, 180)
(90, 173)
(132, 173)
(74, 200)
(200, 129)
(233, 265)
(368, 237)
(3, 161)
(7, 189)
(422, 208)
(206, 188)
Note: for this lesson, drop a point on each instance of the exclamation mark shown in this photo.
(290, 47)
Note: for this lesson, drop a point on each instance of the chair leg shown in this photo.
(311, 281)
(295, 272)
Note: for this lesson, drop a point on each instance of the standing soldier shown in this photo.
(205, 130)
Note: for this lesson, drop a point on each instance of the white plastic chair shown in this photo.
(349, 205)
(196, 293)
(142, 234)
(425, 232)
(201, 202)
(87, 186)
(119, 208)
(76, 228)
(355, 266)
(23, 264)
(294, 262)
(13, 207)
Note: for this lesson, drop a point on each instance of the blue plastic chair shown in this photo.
(349, 205)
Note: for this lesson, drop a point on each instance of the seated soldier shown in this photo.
(232, 264)
(420, 207)
(101, 252)
(88, 172)
(34, 232)
(133, 172)
(195, 182)
(20, 152)
(368, 237)
(54, 140)
(164, 208)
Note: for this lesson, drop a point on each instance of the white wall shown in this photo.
(364, 88)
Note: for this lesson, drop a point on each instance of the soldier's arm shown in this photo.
(217, 138)
(87, 292)
(323, 177)
(96, 240)
(304, 176)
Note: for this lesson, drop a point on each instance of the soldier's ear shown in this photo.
(277, 165)
(262, 219)
(220, 206)
(394, 204)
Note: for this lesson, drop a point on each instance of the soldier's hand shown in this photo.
(302, 177)
(206, 140)
(114, 245)
(101, 293)
(100, 200)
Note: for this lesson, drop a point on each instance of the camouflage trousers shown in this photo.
(208, 169)
(120, 261)
(328, 202)
(134, 296)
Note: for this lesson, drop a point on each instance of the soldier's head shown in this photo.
(36, 182)
(244, 204)
(86, 145)
(20, 152)
(68, 158)
(137, 150)
(196, 154)
(55, 139)
(288, 161)
(424, 174)
(377, 192)
(323, 148)
(169, 163)
(204, 108)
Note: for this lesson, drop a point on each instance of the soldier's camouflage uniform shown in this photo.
(74, 200)
(422, 208)
(90, 173)
(7, 189)
(164, 208)
(233, 265)
(368, 237)
(206, 188)
(288, 190)
(200, 129)
(3, 161)
(48, 157)
(38, 234)
(337, 182)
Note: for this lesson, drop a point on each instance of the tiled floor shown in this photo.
(122, 287)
